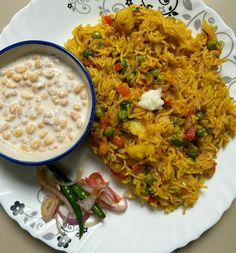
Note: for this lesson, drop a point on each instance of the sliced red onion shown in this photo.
(49, 207)
(87, 188)
(91, 223)
(110, 195)
(107, 198)
(41, 176)
(63, 213)
(67, 184)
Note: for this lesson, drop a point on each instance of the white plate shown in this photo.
(139, 229)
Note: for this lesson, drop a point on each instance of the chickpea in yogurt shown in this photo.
(43, 104)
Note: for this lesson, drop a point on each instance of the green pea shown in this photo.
(176, 129)
(96, 35)
(212, 44)
(140, 59)
(130, 77)
(160, 77)
(155, 72)
(200, 115)
(192, 151)
(87, 52)
(99, 111)
(122, 114)
(201, 132)
(109, 132)
(149, 179)
(178, 121)
(145, 191)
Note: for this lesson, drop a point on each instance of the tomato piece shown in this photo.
(190, 133)
(167, 101)
(87, 62)
(107, 20)
(123, 90)
(119, 66)
(138, 168)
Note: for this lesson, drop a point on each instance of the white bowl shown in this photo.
(20, 49)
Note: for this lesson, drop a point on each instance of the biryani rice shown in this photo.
(156, 170)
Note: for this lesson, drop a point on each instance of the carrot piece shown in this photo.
(190, 133)
(104, 121)
(123, 90)
(118, 141)
(107, 20)
(103, 149)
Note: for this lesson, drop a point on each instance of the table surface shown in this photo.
(219, 239)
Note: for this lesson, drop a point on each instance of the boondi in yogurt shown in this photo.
(43, 104)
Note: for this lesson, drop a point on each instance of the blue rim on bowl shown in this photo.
(93, 102)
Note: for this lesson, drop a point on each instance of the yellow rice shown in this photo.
(191, 84)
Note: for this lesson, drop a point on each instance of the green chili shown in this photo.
(69, 194)
(124, 63)
(77, 190)
(177, 141)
